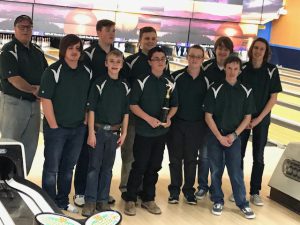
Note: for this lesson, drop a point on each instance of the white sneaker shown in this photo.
(79, 200)
(256, 200)
(71, 208)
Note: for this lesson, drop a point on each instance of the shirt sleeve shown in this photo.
(250, 107)
(48, 85)
(93, 96)
(9, 64)
(209, 102)
(275, 86)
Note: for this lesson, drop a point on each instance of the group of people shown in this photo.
(94, 101)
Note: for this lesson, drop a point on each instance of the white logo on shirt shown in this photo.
(90, 54)
(178, 75)
(207, 83)
(216, 91)
(56, 73)
(89, 71)
(100, 89)
(142, 83)
(271, 72)
(127, 88)
(132, 62)
(206, 67)
(247, 91)
(15, 53)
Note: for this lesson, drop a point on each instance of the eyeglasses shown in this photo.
(195, 56)
(163, 59)
(23, 27)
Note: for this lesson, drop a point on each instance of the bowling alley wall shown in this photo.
(179, 23)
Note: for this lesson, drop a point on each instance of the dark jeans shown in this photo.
(82, 168)
(62, 149)
(232, 155)
(101, 161)
(203, 166)
(148, 155)
(259, 141)
(184, 140)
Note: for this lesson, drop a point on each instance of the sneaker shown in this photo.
(151, 207)
(256, 200)
(231, 198)
(111, 200)
(78, 200)
(217, 209)
(102, 206)
(173, 199)
(130, 209)
(71, 208)
(191, 200)
(88, 209)
(200, 194)
(248, 213)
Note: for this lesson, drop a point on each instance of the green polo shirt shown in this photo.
(212, 72)
(137, 65)
(17, 60)
(149, 93)
(264, 81)
(67, 88)
(229, 104)
(109, 100)
(191, 94)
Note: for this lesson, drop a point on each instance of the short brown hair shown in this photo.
(196, 47)
(114, 52)
(21, 18)
(224, 41)
(146, 30)
(104, 23)
(67, 41)
(267, 55)
(233, 58)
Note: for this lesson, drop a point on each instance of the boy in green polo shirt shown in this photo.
(146, 102)
(64, 92)
(228, 107)
(108, 113)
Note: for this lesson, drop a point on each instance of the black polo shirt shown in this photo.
(109, 99)
(229, 104)
(67, 88)
(149, 93)
(212, 72)
(94, 57)
(137, 65)
(18, 60)
(264, 81)
(191, 94)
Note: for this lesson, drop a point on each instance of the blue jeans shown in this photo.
(101, 161)
(232, 156)
(62, 149)
(203, 167)
(20, 120)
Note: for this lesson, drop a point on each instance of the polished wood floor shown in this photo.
(270, 214)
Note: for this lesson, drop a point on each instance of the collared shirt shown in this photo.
(18, 60)
(264, 81)
(149, 93)
(229, 104)
(212, 72)
(191, 94)
(109, 99)
(137, 65)
(67, 88)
